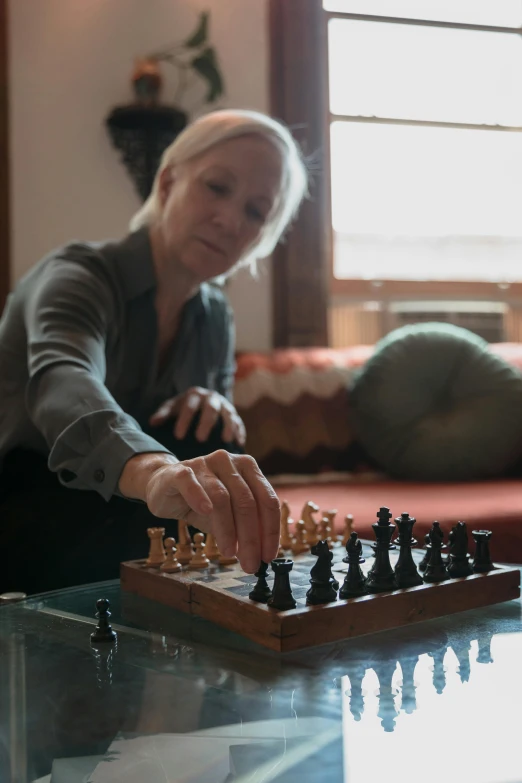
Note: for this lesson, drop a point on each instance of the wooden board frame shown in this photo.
(309, 626)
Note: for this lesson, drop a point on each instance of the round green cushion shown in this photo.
(434, 404)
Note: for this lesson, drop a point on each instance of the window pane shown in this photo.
(424, 73)
(426, 203)
(505, 13)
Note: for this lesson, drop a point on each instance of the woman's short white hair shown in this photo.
(217, 127)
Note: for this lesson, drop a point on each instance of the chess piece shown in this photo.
(426, 559)
(324, 587)
(171, 564)
(330, 525)
(381, 577)
(436, 569)
(348, 526)
(324, 531)
(282, 598)
(398, 539)
(300, 542)
(458, 562)
(406, 574)
(482, 560)
(211, 550)
(199, 558)
(103, 631)
(156, 553)
(285, 540)
(185, 549)
(355, 582)
(310, 524)
(261, 591)
(223, 560)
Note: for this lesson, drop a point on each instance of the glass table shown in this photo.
(179, 699)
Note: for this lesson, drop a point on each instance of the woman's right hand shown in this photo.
(221, 493)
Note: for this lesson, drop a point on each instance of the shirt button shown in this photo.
(99, 476)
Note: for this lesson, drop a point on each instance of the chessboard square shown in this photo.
(240, 590)
(205, 577)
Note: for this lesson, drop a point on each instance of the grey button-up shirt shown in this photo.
(79, 365)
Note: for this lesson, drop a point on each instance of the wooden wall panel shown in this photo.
(299, 98)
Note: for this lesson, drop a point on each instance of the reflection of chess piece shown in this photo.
(408, 698)
(355, 671)
(199, 558)
(484, 648)
(156, 553)
(310, 524)
(348, 527)
(104, 655)
(171, 565)
(285, 541)
(211, 550)
(300, 544)
(355, 581)
(461, 650)
(406, 574)
(439, 673)
(482, 559)
(436, 569)
(387, 711)
(381, 577)
(185, 550)
(458, 563)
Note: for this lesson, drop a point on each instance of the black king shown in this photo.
(381, 577)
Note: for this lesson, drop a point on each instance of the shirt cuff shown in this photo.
(101, 468)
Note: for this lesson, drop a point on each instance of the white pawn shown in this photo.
(300, 544)
(171, 564)
(211, 549)
(199, 558)
(286, 541)
(348, 527)
(156, 553)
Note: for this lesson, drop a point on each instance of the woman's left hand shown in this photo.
(210, 405)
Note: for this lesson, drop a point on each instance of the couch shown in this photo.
(296, 407)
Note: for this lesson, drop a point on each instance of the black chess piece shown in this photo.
(406, 574)
(261, 591)
(324, 587)
(436, 569)
(355, 582)
(381, 577)
(282, 597)
(426, 559)
(103, 631)
(482, 559)
(458, 562)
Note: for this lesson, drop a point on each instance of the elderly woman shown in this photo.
(117, 363)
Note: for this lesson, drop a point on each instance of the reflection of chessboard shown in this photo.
(220, 594)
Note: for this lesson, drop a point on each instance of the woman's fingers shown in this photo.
(189, 406)
(268, 507)
(211, 409)
(164, 412)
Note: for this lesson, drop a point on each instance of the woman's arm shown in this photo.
(89, 436)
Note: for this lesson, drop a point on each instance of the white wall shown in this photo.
(70, 63)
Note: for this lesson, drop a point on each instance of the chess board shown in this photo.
(220, 594)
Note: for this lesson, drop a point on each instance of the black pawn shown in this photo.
(282, 597)
(261, 591)
(381, 577)
(458, 563)
(426, 559)
(355, 582)
(324, 587)
(103, 631)
(482, 559)
(436, 569)
(406, 574)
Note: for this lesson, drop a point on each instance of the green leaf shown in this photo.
(207, 66)
(199, 36)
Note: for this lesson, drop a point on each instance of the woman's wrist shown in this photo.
(138, 471)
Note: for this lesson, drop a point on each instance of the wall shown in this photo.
(70, 62)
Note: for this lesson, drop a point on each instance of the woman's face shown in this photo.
(214, 207)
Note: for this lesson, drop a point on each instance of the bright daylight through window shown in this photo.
(426, 139)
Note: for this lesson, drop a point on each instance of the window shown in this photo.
(425, 128)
